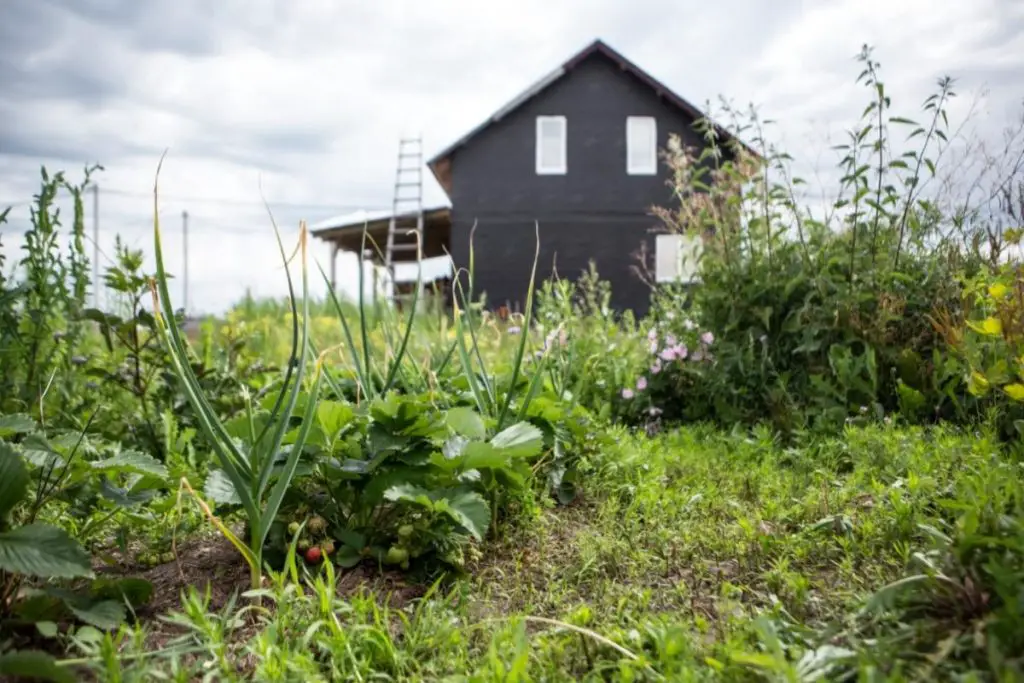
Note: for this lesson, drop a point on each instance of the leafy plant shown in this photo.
(820, 318)
(42, 332)
(259, 470)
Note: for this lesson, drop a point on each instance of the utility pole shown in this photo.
(95, 245)
(184, 256)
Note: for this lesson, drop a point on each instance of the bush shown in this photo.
(817, 321)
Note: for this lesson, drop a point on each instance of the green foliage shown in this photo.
(41, 331)
(818, 321)
(398, 478)
(36, 477)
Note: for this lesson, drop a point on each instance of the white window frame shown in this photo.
(651, 165)
(677, 258)
(556, 169)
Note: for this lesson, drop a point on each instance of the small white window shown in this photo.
(677, 258)
(641, 145)
(551, 146)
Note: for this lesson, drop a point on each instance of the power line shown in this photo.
(226, 201)
(222, 201)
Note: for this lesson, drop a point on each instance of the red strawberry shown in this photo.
(313, 555)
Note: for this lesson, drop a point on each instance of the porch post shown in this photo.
(334, 266)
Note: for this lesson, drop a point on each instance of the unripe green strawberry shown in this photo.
(405, 531)
(396, 555)
(293, 528)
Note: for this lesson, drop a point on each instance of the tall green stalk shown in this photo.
(249, 468)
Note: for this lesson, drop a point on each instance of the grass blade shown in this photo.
(349, 341)
(525, 333)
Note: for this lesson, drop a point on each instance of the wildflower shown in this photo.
(656, 368)
(707, 338)
(641, 384)
(514, 329)
(668, 354)
(627, 394)
(688, 324)
(670, 340)
(697, 356)
(681, 351)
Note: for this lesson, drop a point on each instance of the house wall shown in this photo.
(596, 211)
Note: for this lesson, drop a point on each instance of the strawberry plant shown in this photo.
(37, 557)
(397, 479)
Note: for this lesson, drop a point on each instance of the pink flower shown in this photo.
(656, 368)
(681, 351)
(670, 340)
(707, 338)
(641, 384)
(627, 394)
(668, 354)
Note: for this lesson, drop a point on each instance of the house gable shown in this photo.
(441, 165)
(497, 171)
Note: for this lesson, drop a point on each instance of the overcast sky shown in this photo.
(309, 97)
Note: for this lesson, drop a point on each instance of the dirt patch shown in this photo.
(211, 563)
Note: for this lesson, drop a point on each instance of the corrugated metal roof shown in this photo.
(357, 219)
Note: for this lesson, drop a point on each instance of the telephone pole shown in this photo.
(95, 245)
(184, 256)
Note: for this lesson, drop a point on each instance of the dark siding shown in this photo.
(504, 250)
(596, 211)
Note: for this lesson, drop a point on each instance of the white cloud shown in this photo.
(309, 97)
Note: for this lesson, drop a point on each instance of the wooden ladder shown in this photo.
(406, 222)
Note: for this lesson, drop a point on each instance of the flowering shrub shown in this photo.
(590, 352)
(818, 316)
(677, 357)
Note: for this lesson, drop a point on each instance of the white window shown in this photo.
(677, 258)
(641, 145)
(551, 147)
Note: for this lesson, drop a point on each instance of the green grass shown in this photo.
(694, 555)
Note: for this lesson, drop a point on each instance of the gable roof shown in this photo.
(440, 162)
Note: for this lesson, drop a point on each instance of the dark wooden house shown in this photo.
(577, 154)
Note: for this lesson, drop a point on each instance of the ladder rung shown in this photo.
(404, 247)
